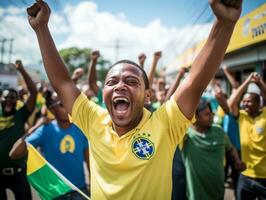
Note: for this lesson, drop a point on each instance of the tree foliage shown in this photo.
(80, 57)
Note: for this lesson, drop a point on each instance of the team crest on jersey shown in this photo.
(67, 144)
(143, 148)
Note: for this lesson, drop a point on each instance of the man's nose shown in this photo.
(120, 86)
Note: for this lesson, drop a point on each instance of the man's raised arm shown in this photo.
(210, 57)
(55, 68)
(142, 58)
(261, 84)
(92, 75)
(235, 98)
(156, 57)
(30, 103)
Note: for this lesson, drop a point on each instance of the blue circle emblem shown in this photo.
(143, 148)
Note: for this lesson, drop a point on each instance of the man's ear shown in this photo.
(147, 97)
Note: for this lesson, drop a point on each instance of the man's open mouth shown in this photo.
(8, 107)
(121, 104)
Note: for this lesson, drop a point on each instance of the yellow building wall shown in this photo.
(249, 30)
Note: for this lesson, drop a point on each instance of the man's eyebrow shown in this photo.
(132, 76)
(112, 76)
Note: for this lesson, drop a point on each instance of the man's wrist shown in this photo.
(226, 23)
(21, 69)
(41, 29)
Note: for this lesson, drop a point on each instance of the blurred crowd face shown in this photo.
(124, 94)
(205, 118)
(8, 102)
(58, 110)
(153, 95)
(39, 87)
(160, 96)
(161, 84)
(160, 93)
(251, 104)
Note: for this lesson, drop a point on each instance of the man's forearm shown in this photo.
(210, 57)
(152, 72)
(19, 149)
(30, 103)
(234, 99)
(53, 63)
(262, 87)
(224, 106)
(239, 165)
(203, 68)
(92, 76)
(56, 70)
(174, 85)
(231, 79)
(29, 82)
(234, 155)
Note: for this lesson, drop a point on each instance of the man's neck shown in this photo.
(8, 114)
(123, 130)
(254, 115)
(64, 124)
(201, 129)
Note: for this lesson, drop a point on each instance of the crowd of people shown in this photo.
(139, 136)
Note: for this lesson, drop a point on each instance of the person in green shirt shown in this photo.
(12, 123)
(203, 154)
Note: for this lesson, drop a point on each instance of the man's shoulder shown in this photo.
(171, 110)
(192, 133)
(216, 127)
(48, 127)
(263, 110)
(76, 129)
(82, 105)
(217, 130)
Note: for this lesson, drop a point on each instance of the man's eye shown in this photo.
(111, 82)
(131, 82)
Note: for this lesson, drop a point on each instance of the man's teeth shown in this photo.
(116, 100)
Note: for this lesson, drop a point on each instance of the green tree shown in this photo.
(76, 57)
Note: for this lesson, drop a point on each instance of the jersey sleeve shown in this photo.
(85, 113)
(36, 138)
(176, 122)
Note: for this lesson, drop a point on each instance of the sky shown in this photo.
(120, 29)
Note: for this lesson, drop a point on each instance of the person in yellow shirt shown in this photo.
(22, 97)
(131, 149)
(252, 129)
(12, 127)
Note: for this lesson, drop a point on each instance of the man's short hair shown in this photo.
(202, 105)
(256, 96)
(144, 75)
(13, 90)
(48, 98)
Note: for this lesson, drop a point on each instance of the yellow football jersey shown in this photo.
(137, 165)
(19, 104)
(253, 143)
